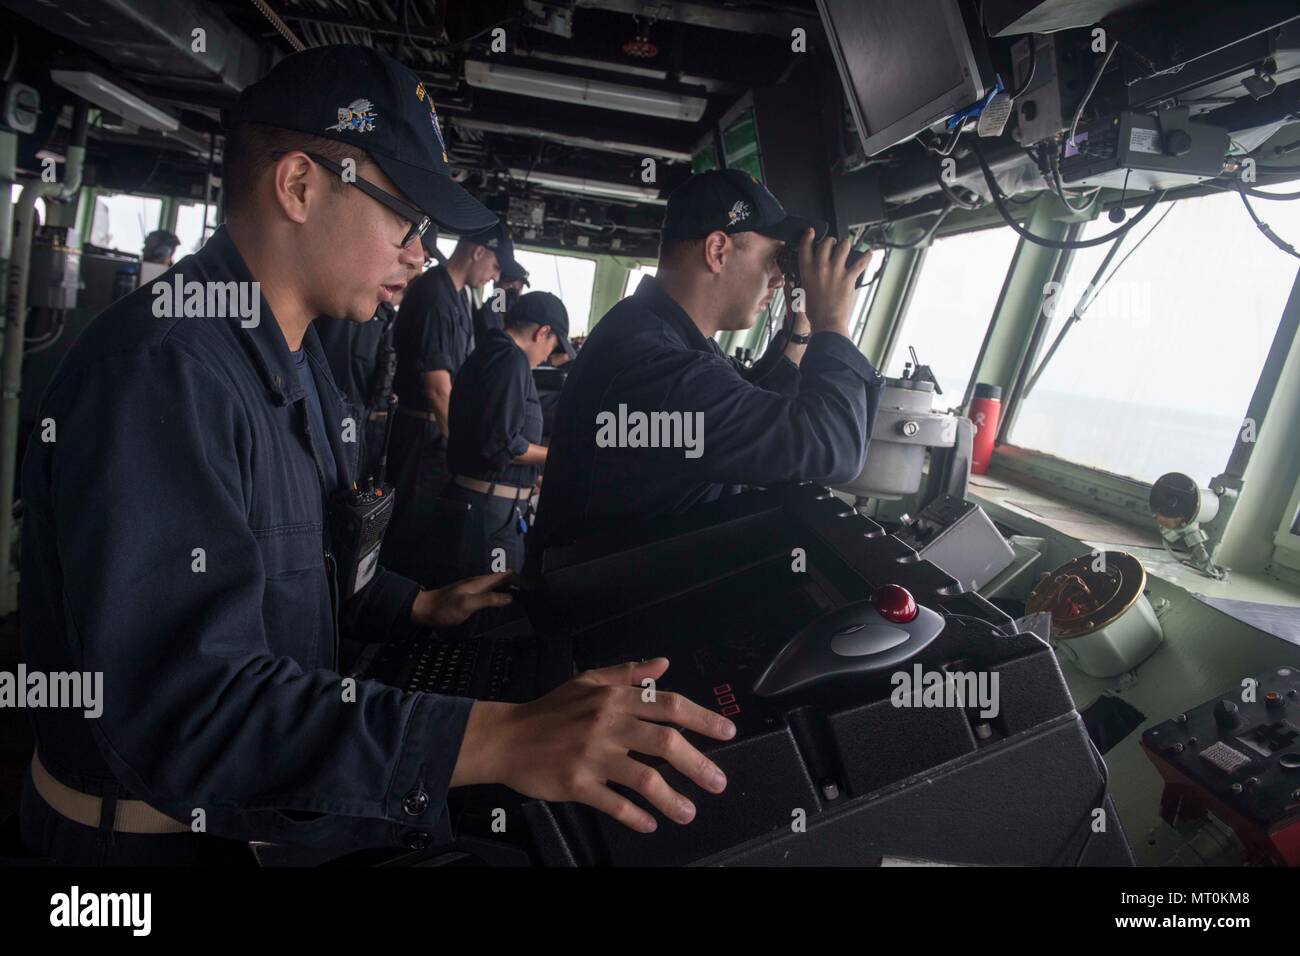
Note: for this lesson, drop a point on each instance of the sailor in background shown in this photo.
(510, 284)
(159, 252)
(804, 411)
(434, 335)
(363, 361)
(550, 378)
(495, 451)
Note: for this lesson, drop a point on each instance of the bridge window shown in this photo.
(1158, 374)
(952, 306)
(865, 295)
(189, 226)
(15, 191)
(570, 278)
(446, 245)
(634, 277)
(121, 221)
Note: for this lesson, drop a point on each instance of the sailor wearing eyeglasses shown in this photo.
(215, 611)
(176, 542)
(433, 336)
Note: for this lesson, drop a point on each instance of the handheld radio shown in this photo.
(358, 518)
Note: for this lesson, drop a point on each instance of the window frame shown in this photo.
(594, 259)
(1286, 542)
(1286, 539)
(1128, 498)
(914, 278)
(97, 191)
(170, 216)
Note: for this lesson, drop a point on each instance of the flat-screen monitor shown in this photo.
(905, 64)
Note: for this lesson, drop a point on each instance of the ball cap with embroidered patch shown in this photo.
(731, 201)
(359, 96)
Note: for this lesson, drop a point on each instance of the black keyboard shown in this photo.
(508, 664)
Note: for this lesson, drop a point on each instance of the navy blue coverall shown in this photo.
(173, 539)
(357, 354)
(776, 422)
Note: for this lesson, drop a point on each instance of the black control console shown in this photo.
(873, 757)
(882, 711)
(511, 663)
(1239, 758)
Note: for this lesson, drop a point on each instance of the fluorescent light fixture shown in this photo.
(587, 187)
(572, 89)
(106, 94)
(584, 142)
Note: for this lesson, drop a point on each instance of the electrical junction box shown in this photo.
(1150, 152)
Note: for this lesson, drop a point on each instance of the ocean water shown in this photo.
(1136, 440)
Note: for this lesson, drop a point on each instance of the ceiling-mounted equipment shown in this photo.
(587, 187)
(526, 217)
(105, 93)
(639, 149)
(1145, 152)
(154, 40)
(551, 18)
(1008, 17)
(1180, 507)
(1102, 623)
(905, 64)
(1041, 110)
(525, 81)
(641, 46)
(22, 105)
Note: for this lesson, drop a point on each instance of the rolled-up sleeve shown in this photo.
(497, 399)
(439, 346)
(198, 713)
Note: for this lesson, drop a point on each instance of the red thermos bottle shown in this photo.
(985, 410)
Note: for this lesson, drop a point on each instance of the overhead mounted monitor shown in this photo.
(905, 64)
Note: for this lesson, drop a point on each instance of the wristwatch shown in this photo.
(797, 339)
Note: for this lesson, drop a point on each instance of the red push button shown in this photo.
(894, 603)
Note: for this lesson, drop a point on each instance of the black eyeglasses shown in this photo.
(418, 220)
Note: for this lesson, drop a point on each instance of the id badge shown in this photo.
(366, 569)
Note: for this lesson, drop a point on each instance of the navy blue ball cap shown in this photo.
(367, 99)
(731, 201)
(543, 308)
(497, 238)
(513, 272)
